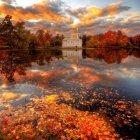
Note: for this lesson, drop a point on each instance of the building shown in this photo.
(73, 42)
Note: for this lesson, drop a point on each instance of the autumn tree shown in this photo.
(109, 39)
(6, 31)
(48, 38)
(94, 41)
(40, 38)
(122, 39)
(22, 36)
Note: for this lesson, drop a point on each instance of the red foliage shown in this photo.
(109, 39)
(5, 120)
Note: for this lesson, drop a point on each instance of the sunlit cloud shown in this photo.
(59, 17)
(92, 13)
(41, 11)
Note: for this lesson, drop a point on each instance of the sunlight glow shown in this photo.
(26, 3)
(75, 68)
(3, 86)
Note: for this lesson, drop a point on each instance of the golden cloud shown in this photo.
(92, 13)
(40, 11)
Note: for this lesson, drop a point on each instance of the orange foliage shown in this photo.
(108, 39)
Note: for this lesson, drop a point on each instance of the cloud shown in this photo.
(57, 16)
(92, 13)
(46, 10)
(57, 6)
(97, 20)
(61, 27)
(77, 12)
(7, 1)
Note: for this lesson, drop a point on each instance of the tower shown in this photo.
(75, 35)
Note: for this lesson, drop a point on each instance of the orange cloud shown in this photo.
(92, 13)
(40, 11)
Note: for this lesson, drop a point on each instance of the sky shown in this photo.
(62, 16)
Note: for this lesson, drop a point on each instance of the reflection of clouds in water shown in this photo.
(77, 73)
(18, 93)
(10, 96)
(3, 86)
(84, 77)
(128, 69)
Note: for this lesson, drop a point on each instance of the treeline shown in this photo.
(111, 39)
(18, 37)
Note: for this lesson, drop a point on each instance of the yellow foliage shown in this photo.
(52, 98)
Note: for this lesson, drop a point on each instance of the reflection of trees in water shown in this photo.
(12, 62)
(110, 55)
(18, 61)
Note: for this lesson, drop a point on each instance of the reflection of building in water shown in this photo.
(75, 64)
(73, 42)
(74, 56)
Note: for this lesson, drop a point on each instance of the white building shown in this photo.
(73, 42)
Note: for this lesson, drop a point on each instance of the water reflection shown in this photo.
(80, 68)
(94, 80)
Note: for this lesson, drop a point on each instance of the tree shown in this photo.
(6, 31)
(40, 38)
(48, 38)
(123, 40)
(109, 39)
(22, 36)
(94, 41)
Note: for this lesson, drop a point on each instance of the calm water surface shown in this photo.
(96, 80)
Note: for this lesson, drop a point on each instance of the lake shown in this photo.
(95, 94)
